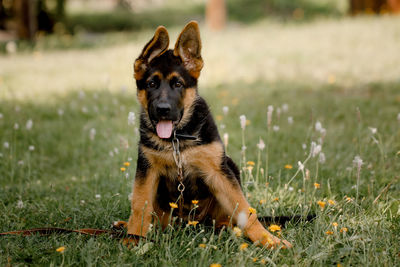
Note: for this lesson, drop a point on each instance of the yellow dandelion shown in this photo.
(215, 265)
(335, 224)
(288, 167)
(123, 169)
(127, 164)
(329, 232)
(276, 199)
(237, 231)
(262, 261)
(321, 204)
(255, 259)
(262, 201)
(202, 245)
(317, 185)
(344, 230)
(195, 202)
(173, 205)
(348, 199)
(218, 117)
(331, 202)
(274, 228)
(235, 101)
(60, 249)
(251, 163)
(252, 210)
(243, 246)
(339, 265)
(194, 223)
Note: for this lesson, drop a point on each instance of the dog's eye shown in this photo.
(178, 85)
(152, 85)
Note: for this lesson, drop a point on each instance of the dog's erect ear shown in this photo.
(188, 48)
(156, 47)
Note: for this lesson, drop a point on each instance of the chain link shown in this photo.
(178, 161)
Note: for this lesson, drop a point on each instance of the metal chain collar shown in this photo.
(178, 161)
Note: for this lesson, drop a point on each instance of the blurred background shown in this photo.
(57, 43)
(33, 20)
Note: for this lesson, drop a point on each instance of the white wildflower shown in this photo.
(226, 139)
(6, 145)
(275, 128)
(116, 151)
(20, 204)
(16, 126)
(129, 159)
(318, 126)
(222, 126)
(60, 112)
(83, 201)
(127, 175)
(131, 118)
(358, 162)
(29, 124)
(285, 107)
(278, 112)
(98, 196)
(316, 150)
(261, 144)
(323, 131)
(81, 94)
(31, 148)
(322, 158)
(290, 188)
(242, 220)
(301, 165)
(313, 145)
(111, 154)
(92, 134)
(225, 110)
(373, 130)
(11, 47)
(20, 162)
(290, 120)
(304, 146)
(242, 121)
(269, 115)
(244, 148)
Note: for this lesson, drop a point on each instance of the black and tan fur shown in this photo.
(210, 176)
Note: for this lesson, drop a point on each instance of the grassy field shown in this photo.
(64, 136)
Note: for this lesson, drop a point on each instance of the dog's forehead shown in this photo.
(167, 64)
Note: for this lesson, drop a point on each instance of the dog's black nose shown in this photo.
(163, 109)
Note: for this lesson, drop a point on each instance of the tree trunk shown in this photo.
(26, 19)
(216, 14)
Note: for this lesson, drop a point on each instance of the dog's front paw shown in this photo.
(271, 241)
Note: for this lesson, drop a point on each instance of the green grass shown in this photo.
(56, 184)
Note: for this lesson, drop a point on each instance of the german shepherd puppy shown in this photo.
(171, 106)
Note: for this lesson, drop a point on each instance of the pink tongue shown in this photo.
(164, 129)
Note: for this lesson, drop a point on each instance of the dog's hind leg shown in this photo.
(221, 179)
